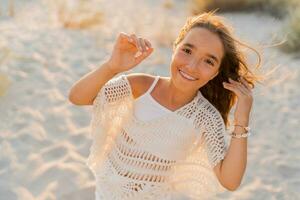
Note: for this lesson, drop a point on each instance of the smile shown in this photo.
(186, 76)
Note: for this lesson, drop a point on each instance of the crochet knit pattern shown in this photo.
(169, 157)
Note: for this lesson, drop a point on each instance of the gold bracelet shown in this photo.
(241, 135)
(247, 128)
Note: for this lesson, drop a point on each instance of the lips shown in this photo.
(187, 76)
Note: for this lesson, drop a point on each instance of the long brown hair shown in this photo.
(233, 64)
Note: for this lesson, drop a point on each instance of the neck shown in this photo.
(175, 95)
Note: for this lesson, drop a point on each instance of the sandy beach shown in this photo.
(44, 139)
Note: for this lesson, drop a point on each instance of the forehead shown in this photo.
(205, 41)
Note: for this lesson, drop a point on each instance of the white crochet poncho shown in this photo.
(165, 158)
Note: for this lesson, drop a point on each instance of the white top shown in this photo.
(146, 107)
(167, 157)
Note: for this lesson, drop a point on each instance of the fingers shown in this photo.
(238, 87)
(232, 88)
(242, 79)
(142, 45)
(136, 42)
(141, 56)
(125, 36)
(148, 44)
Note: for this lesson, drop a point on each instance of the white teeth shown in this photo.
(187, 76)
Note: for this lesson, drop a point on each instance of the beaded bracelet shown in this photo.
(242, 135)
(247, 128)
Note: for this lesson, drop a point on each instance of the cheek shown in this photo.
(180, 57)
(209, 74)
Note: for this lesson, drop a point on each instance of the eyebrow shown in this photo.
(194, 47)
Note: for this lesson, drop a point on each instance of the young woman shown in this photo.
(164, 137)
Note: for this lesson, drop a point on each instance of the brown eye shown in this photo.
(186, 51)
(210, 62)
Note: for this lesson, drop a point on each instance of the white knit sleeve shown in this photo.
(114, 91)
(195, 177)
(214, 134)
(110, 109)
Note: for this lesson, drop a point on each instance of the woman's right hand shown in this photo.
(128, 52)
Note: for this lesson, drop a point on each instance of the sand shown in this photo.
(44, 139)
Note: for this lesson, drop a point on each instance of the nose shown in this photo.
(193, 64)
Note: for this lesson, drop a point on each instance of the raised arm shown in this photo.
(231, 170)
(123, 58)
(84, 91)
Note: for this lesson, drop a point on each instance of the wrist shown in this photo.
(239, 129)
(240, 132)
(110, 67)
(241, 122)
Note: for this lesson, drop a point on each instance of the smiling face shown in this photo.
(196, 59)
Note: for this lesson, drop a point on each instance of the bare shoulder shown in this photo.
(139, 83)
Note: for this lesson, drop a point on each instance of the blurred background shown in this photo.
(47, 45)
